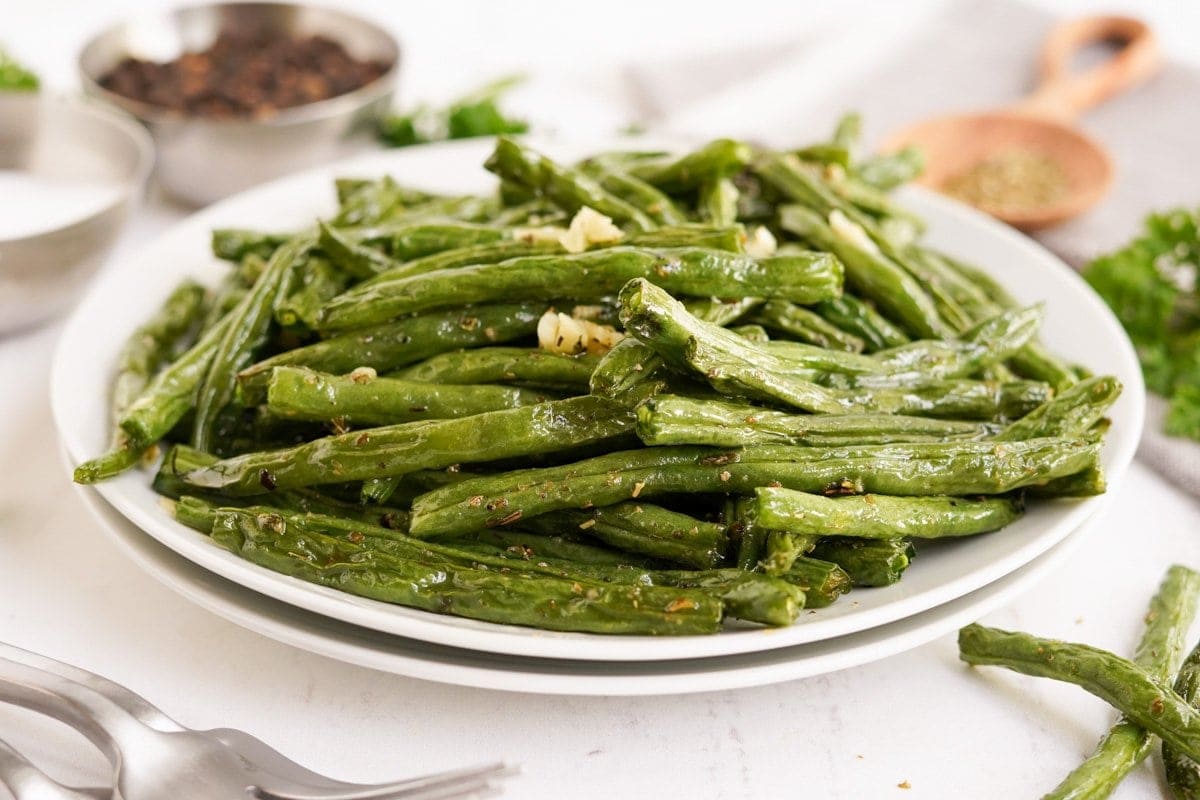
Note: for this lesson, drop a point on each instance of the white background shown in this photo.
(921, 717)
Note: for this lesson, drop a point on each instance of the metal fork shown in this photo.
(153, 756)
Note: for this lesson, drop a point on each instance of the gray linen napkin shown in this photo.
(977, 54)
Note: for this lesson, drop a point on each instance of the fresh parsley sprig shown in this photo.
(1151, 285)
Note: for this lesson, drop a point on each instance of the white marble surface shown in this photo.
(920, 718)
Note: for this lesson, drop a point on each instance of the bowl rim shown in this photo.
(328, 108)
(126, 125)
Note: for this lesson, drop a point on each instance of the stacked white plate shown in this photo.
(948, 585)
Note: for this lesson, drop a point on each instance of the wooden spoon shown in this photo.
(1040, 123)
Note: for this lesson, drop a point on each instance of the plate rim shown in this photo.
(515, 640)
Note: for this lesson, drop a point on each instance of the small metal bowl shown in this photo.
(201, 160)
(70, 140)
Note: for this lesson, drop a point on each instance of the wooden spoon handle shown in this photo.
(1063, 95)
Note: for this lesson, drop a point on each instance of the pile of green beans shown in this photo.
(790, 392)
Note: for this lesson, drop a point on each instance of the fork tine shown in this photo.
(452, 783)
(27, 782)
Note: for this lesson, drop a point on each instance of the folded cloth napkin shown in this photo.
(960, 56)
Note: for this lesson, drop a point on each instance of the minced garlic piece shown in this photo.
(363, 374)
(561, 333)
(761, 243)
(849, 231)
(589, 227)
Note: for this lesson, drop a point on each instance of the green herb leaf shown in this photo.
(14, 77)
(477, 114)
(1150, 284)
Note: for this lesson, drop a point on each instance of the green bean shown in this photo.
(720, 158)
(719, 201)
(821, 581)
(986, 344)
(1172, 610)
(731, 237)
(752, 597)
(751, 538)
(872, 516)
(198, 508)
(878, 204)
(526, 367)
(1143, 697)
(807, 326)
(555, 547)
(847, 131)
(955, 468)
(234, 244)
(398, 344)
(734, 366)
(984, 282)
(871, 274)
(146, 349)
(352, 257)
(526, 243)
(245, 334)
(1088, 483)
(745, 595)
(626, 365)
(868, 562)
(530, 212)
(753, 333)
(671, 419)
(1071, 413)
(376, 491)
(591, 275)
(889, 170)
(1183, 773)
(639, 194)
(971, 295)
(630, 362)
(319, 282)
(951, 400)
(436, 584)
(362, 399)
(727, 361)
(824, 153)
(364, 202)
(650, 530)
(154, 342)
(428, 444)
(490, 253)
(169, 396)
(953, 306)
(404, 243)
(567, 188)
(225, 297)
(151, 343)
(783, 547)
(861, 319)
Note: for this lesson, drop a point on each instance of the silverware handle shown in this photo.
(108, 726)
(136, 705)
(27, 782)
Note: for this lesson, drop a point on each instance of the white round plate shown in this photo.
(1078, 325)
(462, 667)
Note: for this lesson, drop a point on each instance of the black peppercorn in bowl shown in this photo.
(238, 93)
